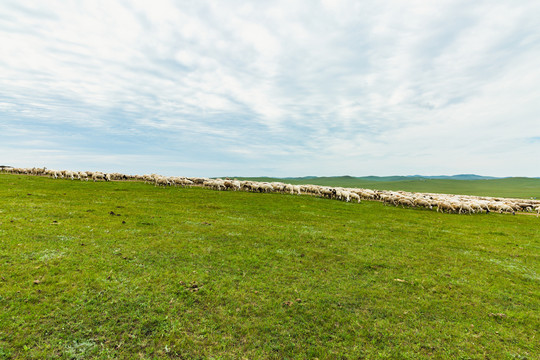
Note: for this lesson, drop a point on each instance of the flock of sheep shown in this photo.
(458, 204)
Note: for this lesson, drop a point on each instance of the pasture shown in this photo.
(129, 270)
(525, 188)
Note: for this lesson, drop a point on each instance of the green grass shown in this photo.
(508, 187)
(127, 270)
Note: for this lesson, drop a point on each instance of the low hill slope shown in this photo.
(129, 270)
(508, 187)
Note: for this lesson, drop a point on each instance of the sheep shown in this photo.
(445, 206)
(343, 195)
(311, 190)
(368, 194)
(69, 174)
(187, 182)
(161, 180)
(327, 192)
(465, 208)
(147, 178)
(500, 207)
(265, 187)
(55, 174)
(506, 208)
(98, 176)
(38, 171)
(422, 202)
(524, 206)
(229, 185)
(288, 188)
(198, 181)
(278, 186)
(116, 176)
(460, 204)
(404, 201)
(355, 196)
(236, 185)
(182, 181)
(477, 206)
(385, 198)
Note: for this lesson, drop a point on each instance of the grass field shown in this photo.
(128, 270)
(508, 187)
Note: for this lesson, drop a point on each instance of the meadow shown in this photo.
(128, 270)
(517, 187)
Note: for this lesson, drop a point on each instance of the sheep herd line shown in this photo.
(446, 203)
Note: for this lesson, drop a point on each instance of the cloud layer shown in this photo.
(272, 88)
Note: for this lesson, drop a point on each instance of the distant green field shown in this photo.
(509, 187)
(128, 270)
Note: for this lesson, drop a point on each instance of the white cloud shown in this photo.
(343, 86)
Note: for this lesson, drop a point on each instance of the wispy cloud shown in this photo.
(277, 88)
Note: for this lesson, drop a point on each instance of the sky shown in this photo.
(271, 88)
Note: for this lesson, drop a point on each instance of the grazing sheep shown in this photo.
(327, 192)
(96, 176)
(187, 182)
(460, 204)
(343, 195)
(403, 201)
(478, 207)
(386, 198)
(198, 181)
(368, 194)
(465, 208)
(69, 174)
(55, 174)
(506, 208)
(278, 187)
(265, 187)
(311, 190)
(229, 185)
(355, 196)
(445, 206)
(236, 185)
(161, 181)
(422, 202)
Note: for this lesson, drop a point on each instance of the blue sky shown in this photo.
(277, 88)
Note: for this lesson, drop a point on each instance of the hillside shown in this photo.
(506, 187)
(129, 270)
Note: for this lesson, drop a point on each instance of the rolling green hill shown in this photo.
(128, 270)
(506, 187)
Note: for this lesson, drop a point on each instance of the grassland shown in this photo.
(508, 187)
(127, 270)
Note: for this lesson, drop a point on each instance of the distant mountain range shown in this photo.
(402, 178)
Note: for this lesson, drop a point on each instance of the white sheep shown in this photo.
(96, 176)
(445, 206)
(443, 202)
(161, 180)
(422, 202)
(355, 196)
(69, 174)
(343, 195)
(506, 208)
(405, 201)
